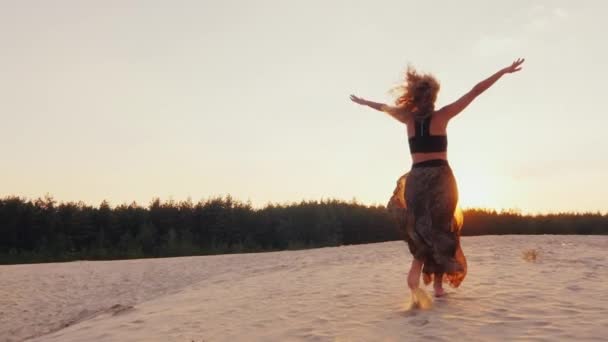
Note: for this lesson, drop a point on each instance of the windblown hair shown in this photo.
(418, 93)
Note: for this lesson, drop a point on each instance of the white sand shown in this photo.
(354, 293)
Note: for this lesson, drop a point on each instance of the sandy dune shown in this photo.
(354, 293)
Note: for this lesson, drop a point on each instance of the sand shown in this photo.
(351, 293)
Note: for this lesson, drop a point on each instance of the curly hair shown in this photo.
(418, 93)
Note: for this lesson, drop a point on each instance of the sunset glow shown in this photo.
(188, 104)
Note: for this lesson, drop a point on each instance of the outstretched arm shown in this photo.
(453, 109)
(395, 112)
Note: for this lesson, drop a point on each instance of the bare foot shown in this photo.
(439, 292)
(438, 285)
(420, 299)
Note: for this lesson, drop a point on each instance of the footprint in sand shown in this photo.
(419, 322)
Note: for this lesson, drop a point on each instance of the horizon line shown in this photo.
(353, 200)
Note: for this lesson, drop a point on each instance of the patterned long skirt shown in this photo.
(425, 205)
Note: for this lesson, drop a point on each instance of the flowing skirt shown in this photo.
(425, 205)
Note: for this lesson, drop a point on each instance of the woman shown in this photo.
(431, 194)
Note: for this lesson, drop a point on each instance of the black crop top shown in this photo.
(424, 142)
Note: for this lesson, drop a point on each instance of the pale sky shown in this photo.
(131, 100)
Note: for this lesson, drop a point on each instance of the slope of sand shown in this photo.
(353, 293)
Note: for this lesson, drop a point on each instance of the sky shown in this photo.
(132, 100)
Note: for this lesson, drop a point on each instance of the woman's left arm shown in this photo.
(458, 106)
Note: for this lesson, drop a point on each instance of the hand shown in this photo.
(358, 100)
(516, 66)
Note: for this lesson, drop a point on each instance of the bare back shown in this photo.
(438, 126)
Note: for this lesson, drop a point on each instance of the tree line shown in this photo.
(44, 230)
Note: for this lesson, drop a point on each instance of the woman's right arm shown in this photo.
(396, 112)
(453, 109)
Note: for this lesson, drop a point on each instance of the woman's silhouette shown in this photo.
(431, 194)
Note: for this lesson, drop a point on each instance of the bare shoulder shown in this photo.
(447, 112)
(442, 116)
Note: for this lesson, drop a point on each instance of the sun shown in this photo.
(478, 190)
